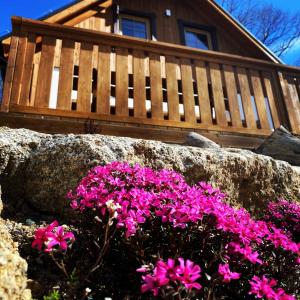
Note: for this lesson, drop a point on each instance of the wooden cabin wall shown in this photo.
(229, 39)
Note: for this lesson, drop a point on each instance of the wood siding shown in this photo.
(228, 38)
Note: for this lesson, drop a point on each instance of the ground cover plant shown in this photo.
(145, 234)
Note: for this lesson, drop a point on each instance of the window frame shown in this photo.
(209, 31)
(146, 21)
(135, 15)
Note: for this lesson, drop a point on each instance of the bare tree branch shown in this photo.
(276, 28)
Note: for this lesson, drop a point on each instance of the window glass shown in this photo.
(134, 28)
(199, 39)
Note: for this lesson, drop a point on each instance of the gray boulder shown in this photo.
(197, 140)
(57, 163)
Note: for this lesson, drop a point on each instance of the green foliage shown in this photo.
(54, 295)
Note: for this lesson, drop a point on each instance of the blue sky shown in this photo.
(38, 8)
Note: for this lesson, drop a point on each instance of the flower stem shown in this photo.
(61, 265)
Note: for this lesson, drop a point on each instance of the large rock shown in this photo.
(57, 162)
(13, 269)
(16, 146)
(197, 140)
(282, 145)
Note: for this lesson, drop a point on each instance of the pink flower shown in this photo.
(188, 273)
(168, 273)
(263, 287)
(59, 238)
(167, 269)
(41, 235)
(227, 274)
(153, 283)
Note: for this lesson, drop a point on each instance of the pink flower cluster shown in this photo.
(139, 194)
(52, 236)
(263, 288)
(284, 214)
(167, 273)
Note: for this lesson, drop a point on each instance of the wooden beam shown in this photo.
(68, 125)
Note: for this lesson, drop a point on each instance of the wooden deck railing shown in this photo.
(64, 71)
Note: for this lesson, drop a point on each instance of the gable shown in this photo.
(230, 36)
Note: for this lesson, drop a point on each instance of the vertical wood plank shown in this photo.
(259, 99)
(103, 80)
(232, 95)
(19, 69)
(203, 94)
(85, 78)
(45, 72)
(122, 82)
(156, 87)
(172, 88)
(28, 70)
(271, 99)
(139, 84)
(65, 84)
(35, 73)
(294, 96)
(289, 104)
(188, 91)
(7, 88)
(246, 98)
(218, 94)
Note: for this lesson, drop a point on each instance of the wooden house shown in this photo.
(154, 69)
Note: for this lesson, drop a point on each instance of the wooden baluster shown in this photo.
(45, 72)
(259, 99)
(65, 85)
(172, 88)
(122, 82)
(28, 70)
(156, 87)
(139, 84)
(267, 80)
(203, 94)
(85, 78)
(103, 80)
(296, 101)
(218, 94)
(232, 95)
(289, 103)
(8, 83)
(188, 91)
(246, 98)
(19, 69)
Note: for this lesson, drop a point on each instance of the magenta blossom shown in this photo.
(169, 273)
(41, 235)
(59, 238)
(153, 284)
(188, 273)
(227, 274)
(51, 236)
(264, 288)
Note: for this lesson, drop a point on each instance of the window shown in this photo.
(197, 38)
(134, 26)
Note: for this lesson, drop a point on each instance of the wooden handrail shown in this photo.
(87, 35)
